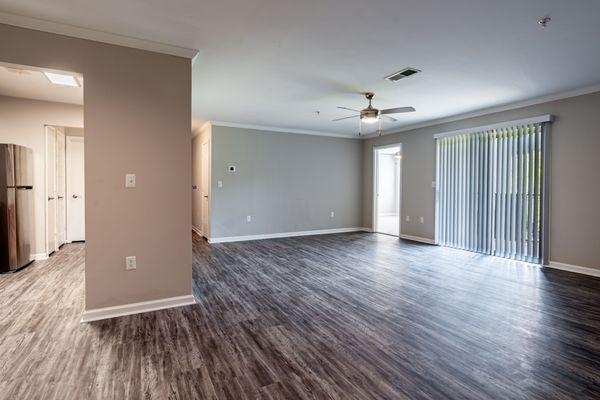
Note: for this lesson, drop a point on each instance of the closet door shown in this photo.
(61, 215)
(51, 243)
(75, 189)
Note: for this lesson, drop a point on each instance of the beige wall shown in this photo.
(137, 118)
(72, 131)
(22, 122)
(286, 182)
(575, 169)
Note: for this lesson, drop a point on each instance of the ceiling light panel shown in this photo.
(61, 79)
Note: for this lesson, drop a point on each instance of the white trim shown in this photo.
(517, 122)
(95, 35)
(197, 131)
(417, 239)
(574, 268)
(136, 308)
(39, 256)
(228, 239)
(491, 110)
(282, 130)
(197, 230)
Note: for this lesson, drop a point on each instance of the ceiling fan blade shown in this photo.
(352, 116)
(389, 118)
(397, 110)
(349, 109)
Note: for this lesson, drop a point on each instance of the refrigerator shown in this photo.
(16, 207)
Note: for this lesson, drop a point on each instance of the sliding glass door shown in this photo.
(491, 190)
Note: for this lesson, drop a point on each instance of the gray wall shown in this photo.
(575, 174)
(286, 182)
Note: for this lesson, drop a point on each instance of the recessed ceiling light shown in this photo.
(61, 79)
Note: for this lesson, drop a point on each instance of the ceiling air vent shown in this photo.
(403, 73)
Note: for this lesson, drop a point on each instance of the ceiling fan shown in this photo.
(372, 115)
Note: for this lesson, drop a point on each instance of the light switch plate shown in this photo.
(130, 263)
(130, 180)
(332, 214)
(249, 218)
(220, 184)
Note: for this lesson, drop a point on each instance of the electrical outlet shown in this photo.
(421, 219)
(249, 218)
(408, 218)
(130, 180)
(332, 214)
(220, 184)
(130, 263)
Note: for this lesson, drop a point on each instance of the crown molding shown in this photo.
(277, 129)
(97, 36)
(495, 109)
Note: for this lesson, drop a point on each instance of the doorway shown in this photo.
(65, 212)
(387, 189)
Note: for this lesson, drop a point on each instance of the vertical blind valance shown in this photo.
(490, 190)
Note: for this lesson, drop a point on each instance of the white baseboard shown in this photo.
(574, 268)
(136, 308)
(228, 239)
(39, 256)
(417, 239)
(197, 230)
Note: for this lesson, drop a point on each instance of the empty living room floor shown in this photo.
(350, 316)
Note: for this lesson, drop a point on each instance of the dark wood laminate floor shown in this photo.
(351, 316)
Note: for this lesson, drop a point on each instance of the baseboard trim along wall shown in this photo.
(574, 268)
(136, 308)
(197, 230)
(417, 239)
(228, 239)
(39, 256)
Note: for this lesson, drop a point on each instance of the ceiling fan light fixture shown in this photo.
(369, 120)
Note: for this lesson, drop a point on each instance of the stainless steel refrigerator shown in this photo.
(16, 207)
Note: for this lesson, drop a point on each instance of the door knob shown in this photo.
(75, 196)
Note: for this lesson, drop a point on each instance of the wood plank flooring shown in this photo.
(350, 316)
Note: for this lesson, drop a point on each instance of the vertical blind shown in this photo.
(491, 190)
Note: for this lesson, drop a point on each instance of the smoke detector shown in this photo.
(403, 73)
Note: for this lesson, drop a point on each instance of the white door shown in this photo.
(205, 187)
(75, 190)
(51, 243)
(61, 210)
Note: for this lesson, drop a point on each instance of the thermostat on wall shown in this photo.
(231, 168)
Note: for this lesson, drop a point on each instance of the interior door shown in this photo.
(75, 189)
(61, 212)
(205, 187)
(51, 243)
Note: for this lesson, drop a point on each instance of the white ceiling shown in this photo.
(31, 83)
(276, 62)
